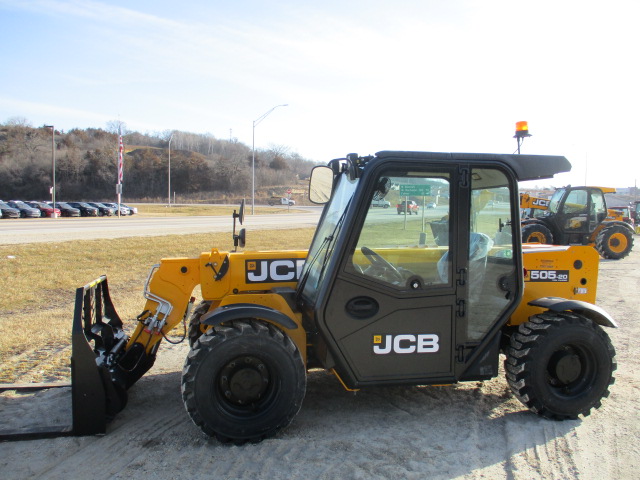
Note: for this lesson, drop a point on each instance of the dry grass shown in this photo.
(39, 282)
(158, 210)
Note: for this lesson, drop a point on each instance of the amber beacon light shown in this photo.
(522, 131)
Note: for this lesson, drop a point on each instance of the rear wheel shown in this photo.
(535, 233)
(243, 382)
(614, 242)
(560, 365)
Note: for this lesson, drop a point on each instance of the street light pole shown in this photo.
(169, 170)
(253, 155)
(53, 169)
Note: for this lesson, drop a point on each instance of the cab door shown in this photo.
(583, 209)
(392, 311)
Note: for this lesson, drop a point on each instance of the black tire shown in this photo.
(560, 365)
(614, 242)
(194, 332)
(536, 233)
(243, 382)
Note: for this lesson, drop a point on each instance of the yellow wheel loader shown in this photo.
(377, 300)
(577, 215)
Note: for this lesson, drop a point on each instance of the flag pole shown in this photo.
(119, 185)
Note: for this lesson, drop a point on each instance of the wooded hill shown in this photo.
(203, 168)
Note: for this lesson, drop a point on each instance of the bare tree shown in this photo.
(117, 126)
(18, 122)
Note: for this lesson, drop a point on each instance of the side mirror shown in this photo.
(239, 216)
(320, 185)
(239, 240)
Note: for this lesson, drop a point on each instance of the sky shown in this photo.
(355, 75)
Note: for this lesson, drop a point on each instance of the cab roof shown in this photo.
(525, 167)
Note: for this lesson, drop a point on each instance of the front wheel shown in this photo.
(243, 381)
(560, 365)
(535, 233)
(614, 242)
(195, 327)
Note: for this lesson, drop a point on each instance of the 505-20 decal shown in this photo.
(548, 275)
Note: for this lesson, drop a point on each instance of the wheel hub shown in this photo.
(566, 367)
(618, 243)
(535, 238)
(244, 380)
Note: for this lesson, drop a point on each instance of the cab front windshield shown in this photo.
(554, 203)
(329, 228)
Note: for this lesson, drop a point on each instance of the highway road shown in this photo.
(39, 230)
(26, 230)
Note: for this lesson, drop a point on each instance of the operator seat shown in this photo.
(479, 246)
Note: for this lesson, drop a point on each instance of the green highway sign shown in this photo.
(417, 190)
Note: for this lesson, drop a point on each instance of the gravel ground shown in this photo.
(471, 431)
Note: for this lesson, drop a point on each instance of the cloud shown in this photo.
(358, 75)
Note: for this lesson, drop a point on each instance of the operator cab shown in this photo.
(575, 212)
(396, 298)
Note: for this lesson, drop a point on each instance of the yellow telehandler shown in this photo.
(577, 215)
(376, 300)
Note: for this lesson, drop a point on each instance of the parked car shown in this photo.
(104, 210)
(381, 203)
(407, 206)
(86, 210)
(8, 211)
(45, 209)
(124, 210)
(281, 201)
(132, 210)
(24, 209)
(66, 210)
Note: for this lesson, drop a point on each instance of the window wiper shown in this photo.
(331, 244)
(311, 262)
(326, 242)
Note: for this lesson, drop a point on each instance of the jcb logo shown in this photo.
(278, 270)
(541, 202)
(406, 343)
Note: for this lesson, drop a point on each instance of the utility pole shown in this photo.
(53, 169)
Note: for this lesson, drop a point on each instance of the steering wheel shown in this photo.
(382, 268)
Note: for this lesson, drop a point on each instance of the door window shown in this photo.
(598, 211)
(491, 262)
(576, 202)
(576, 211)
(405, 246)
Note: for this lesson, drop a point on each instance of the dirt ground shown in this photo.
(470, 431)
